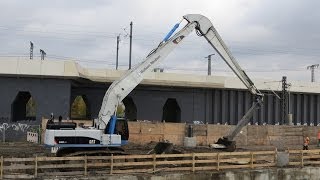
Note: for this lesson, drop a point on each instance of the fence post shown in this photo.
(301, 158)
(1, 167)
(154, 163)
(85, 165)
(218, 163)
(111, 166)
(276, 157)
(193, 162)
(36, 166)
(251, 163)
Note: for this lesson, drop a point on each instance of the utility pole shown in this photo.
(209, 63)
(118, 40)
(312, 67)
(43, 54)
(285, 102)
(31, 50)
(130, 50)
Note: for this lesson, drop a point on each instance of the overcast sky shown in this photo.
(268, 38)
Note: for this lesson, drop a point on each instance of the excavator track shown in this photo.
(71, 152)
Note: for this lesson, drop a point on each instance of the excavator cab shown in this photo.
(121, 128)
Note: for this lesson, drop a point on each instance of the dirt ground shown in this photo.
(25, 149)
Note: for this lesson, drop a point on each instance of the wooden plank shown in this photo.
(18, 176)
(111, 166)
(76, 158)
(296, 151)
(154, 162)
(205, 154)
(35, 167)
(174, 162)
(206, 161)
(312, 151)
(18, 166)
(263, 152)
(264, 158)
(18, 159)
(193, 162)
(311, 156)
(312, 162)
(235, 160)
(102, 172)
(264, 165)
(85, 165)
(54, 166)
(96, 164)
(1, 167)
(133, 157)
(251, 160)
(70, 173)
(301, 158)
(132, 163)
(218, 162)
(173, 155)
(234, 153)
(98, 157)
(294, 163)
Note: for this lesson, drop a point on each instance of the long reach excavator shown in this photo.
(109, 134)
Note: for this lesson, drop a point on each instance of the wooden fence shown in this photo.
(304, 157)
(129, 164)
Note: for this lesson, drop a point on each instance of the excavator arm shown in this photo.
(121, 88)
(206, 29)
(118, 90)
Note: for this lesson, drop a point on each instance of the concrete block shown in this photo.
(292, 140)
(190, 141)
(136, 139)
(278, 142)
(152, 128)
(146, 138)
(293, 130)
(218, 130)
(134, 127)
(199, 130)
(175, 139)
(275, 130)
(241, 138)
(201, 140)
(174, 128)
(257, 135)
(282, 159)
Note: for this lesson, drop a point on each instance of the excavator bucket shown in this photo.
(224, 144)
(163, 148)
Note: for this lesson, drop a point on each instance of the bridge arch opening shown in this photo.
(23, 107)
(127, 109)
(171, 111)
(80, 108)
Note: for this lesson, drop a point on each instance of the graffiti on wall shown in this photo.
(4, 119)
(15, 127)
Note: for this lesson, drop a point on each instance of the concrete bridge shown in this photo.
(54, 85)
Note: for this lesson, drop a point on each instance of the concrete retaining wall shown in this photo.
(141, 132)
(279, 136)
(310, 173)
